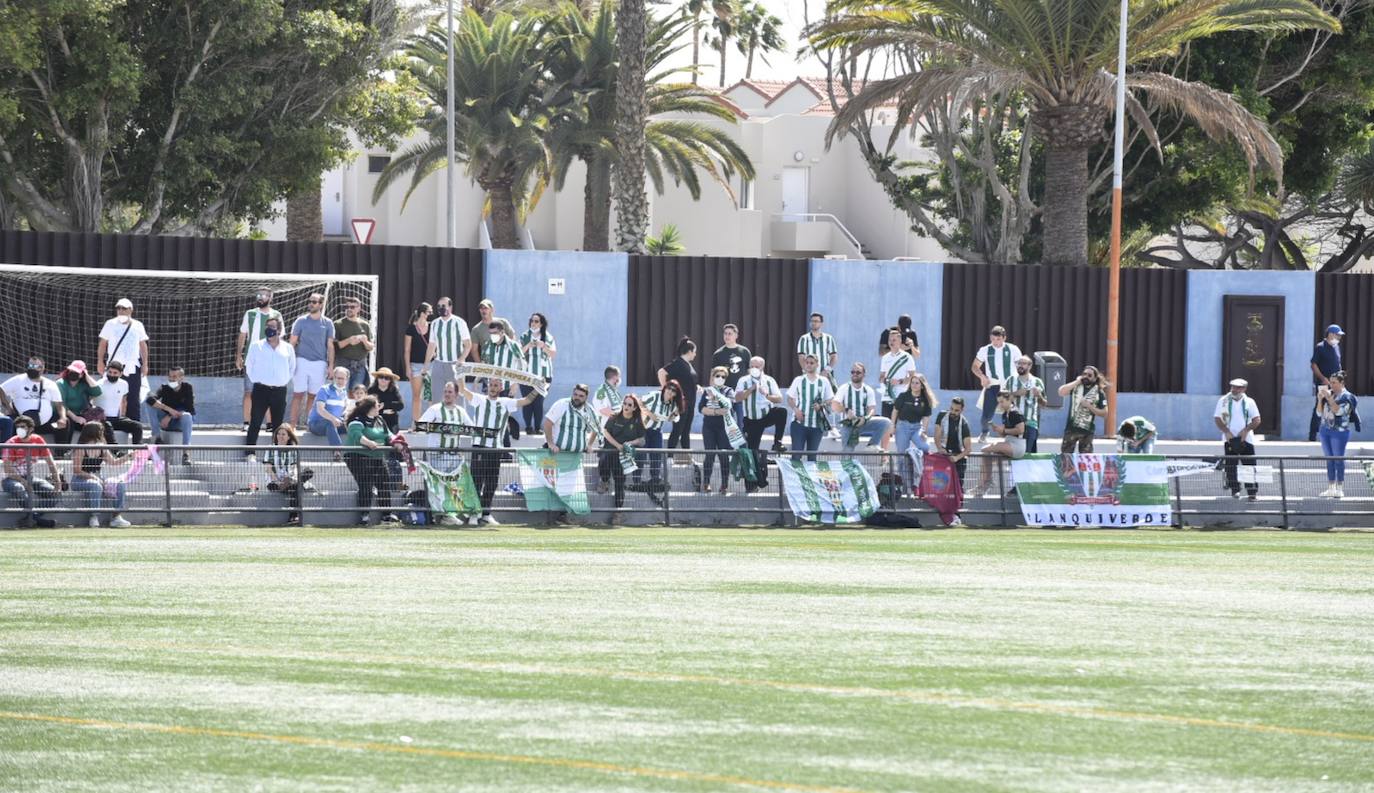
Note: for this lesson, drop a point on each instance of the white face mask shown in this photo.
(497, 338)
(755, 372)
(534, 327)
(21, 432)
(718, 382)
(174, 385)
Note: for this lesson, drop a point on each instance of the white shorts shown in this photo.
(1018, 447)
(310, 376)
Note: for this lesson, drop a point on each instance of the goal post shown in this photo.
(192, 317)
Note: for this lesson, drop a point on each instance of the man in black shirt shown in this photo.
(735, 358)
(910, 342)
(175, 406)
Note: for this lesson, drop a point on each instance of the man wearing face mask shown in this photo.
(37, 397)
(1237, 416)
(1326, 361)
(271, 365)
(481, 330)
(763, 408)
(501, 349)
(449, 344)
(175, 406)
(1087, 395)
(114, 402)
(1027, 396)
(22, 483)
(124, 339)
(253, 329)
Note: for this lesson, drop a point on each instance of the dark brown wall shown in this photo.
(673, 296)
(1064, 309)
(406, 275)
(1347, 299)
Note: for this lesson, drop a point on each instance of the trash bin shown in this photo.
(1053, 370)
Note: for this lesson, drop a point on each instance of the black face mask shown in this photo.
(33, 372)
(73, 377)
(113, 378)
(443, 311)
(263, 303)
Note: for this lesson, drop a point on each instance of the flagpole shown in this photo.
(452, 220)
(1114, 281)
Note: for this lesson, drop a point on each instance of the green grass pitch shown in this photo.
(685, 660)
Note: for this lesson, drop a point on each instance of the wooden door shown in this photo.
(1252, 348)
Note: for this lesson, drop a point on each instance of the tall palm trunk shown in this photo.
(1067, 131)
(504, 231)
(596, 205)
(723, 47)
(631, 113)
(305, 214)
(749, 63)
(696, 46)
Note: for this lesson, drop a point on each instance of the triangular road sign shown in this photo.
(362, 230)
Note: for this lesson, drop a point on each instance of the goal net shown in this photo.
(192, 318)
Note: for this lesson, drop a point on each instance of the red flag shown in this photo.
(941, 487)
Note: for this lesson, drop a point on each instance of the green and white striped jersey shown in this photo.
(805, 393)
(439, 413)
(447, 334)
(570, 426)
(506, 354)
(756, 405)
(492, 414)
(820, 346)
(654, 404)
(897, 366)
(998, 365)
(857, 398)
(607, 397)
(1027, 405)
(255, 323)
(539, 360)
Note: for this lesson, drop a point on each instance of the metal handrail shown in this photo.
(853, 240)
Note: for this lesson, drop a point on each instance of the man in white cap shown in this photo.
(1237, 416)
(123, 339)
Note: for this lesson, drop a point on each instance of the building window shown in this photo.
(746, 193)
(376, 163)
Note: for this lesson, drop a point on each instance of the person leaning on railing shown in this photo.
(910, 411)
(284, 473)
(366, 459)
(1337, 408)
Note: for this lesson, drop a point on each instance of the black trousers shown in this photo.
(753, 438)
(371, 474)
(681, 437)
(486, 474)
(266, 398)
(1242, 452)
(608, 467)
(134, 428)
(133, 408)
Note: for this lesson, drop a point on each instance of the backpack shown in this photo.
(890, 489)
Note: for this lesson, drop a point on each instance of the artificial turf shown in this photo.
(685, 660)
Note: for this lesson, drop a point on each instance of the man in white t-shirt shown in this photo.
(994, 363)
(114, 400)
(37, 397)
(1237, 416)
(124, 339)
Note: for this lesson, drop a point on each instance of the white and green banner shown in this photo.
(452, 493)
(1093, 489)
(833, 492)
(553, 482)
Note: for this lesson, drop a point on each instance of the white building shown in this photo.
(805, 201)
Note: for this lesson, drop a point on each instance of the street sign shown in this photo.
(362, 229)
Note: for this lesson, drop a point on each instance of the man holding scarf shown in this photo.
(606, 402)
(858, 403)
(993, 365)
(1237, 416)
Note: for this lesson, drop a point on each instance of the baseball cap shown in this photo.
(486, 304)
(1239, 383)
(125, 302)
(1335, 329)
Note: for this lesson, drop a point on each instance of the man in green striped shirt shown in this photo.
(500, 349)
(820, 344)
(1028, 396)
(809, 398)
(566, 428)
(449, 343)
(606, 402)
(490, 411)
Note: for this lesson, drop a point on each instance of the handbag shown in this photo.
(93, 413)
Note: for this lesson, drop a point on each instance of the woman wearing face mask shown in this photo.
(384, 390)
(78, 390)
(680, 370)
(366, 459)
(1336, 406)
(416, 343)
(538, 346)
(89, 457)
(716, 401)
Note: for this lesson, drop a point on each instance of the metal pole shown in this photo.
(1114, 282)
(452, 220)
(167, 485)
(1283, 494)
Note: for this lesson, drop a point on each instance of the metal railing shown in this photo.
(221, 484)
(792, 217)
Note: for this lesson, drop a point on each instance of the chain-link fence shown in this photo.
(318, 485)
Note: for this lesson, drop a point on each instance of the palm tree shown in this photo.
(723, 29)
(1059, 54)
(583, 62)
(501, 116)
(757, 31)
(720, 9)
(631, 113)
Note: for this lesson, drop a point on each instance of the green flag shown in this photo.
(553, 482)
(453, 493)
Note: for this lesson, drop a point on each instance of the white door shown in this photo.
(796, 190)
(331, 203)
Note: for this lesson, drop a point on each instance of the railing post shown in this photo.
(1002, 490)
(1178, 502)
(667, 489)
(784, 509)
(300, 487)
(1283, 494)
(167, 488)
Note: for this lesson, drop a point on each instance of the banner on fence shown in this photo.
(452, 493)
(1093, 489)
(553, 482)
(832, 492)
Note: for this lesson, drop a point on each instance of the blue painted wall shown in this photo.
(588, 321)
(859, 299)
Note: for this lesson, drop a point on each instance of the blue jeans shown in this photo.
(26, 493)
(989, 405)
(185, 423)
(93, 491)
(1032, 436)
(533, 412)
(653, 439)
(806, 439)
(319, 426)
(6, 428)
(1131, 447)
(874, 429)
(908, 434)
(1333, 445)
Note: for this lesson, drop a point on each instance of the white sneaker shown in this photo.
(1329, 492)
(956, 521)
(118, 522)
(472, 521)
(1340, 492)
(449, 520)
(94, 522)
(488, 520)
